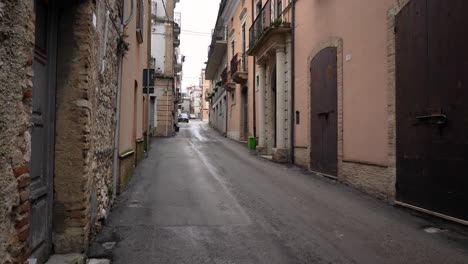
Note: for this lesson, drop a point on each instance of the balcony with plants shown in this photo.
(270, 25)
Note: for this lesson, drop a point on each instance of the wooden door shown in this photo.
(323, 119)
(431, 109)
(43, 130)
(244, 113)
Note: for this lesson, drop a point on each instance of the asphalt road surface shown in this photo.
(202, 198)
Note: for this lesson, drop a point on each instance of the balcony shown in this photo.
(216, 51)
(239, 68)
(178, 67)
(267, 28)
(177, 29)
(176, 42)
(226, 80)
(209, 95)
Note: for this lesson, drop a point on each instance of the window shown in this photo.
(232, 49)
(279, 8)
(258, 7)
(243, 39)
(139, 22)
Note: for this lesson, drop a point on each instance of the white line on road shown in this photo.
(214, 172)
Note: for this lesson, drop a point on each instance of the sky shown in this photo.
(198, 18)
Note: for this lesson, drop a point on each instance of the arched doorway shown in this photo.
(323, 112)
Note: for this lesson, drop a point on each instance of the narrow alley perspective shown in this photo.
(233, 132)
(206, 199)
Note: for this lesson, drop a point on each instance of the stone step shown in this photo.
(67, 259)
(98, 261)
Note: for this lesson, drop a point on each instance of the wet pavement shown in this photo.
(202, 198)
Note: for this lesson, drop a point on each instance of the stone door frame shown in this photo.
(331, 42)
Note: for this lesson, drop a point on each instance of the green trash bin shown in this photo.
(252, 143)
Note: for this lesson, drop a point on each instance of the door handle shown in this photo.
(326, 114)
(438, 119)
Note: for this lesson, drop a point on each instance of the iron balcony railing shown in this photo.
(224, 76)
(218, 34)
(238, 63)
(265, 20)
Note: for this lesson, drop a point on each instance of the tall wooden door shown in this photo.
(244, 113)
(431, 106)
(43, 130)
(323, 118)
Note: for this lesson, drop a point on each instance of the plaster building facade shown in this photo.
(60, 88)
(184, 103)
(206, 93)
(236, 80)
(363, 120)
(165, 51)
(270, 44)
(339, 93)
(133, 112)
(196, 101)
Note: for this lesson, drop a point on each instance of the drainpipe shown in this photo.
(293, 81)
(116, 161)
(254, 81)
(106, 32)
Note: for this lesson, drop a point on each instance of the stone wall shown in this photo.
(84, 124)
(85, 120)
(165, 107)
(16, 50)
(106, 100)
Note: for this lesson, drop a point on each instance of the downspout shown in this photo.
(254, 68)
(115, 169)
(293, 81)
(106, 32)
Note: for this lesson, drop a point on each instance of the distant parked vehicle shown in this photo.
(183, 118)
(193, 116)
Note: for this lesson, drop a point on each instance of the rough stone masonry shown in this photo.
(16, 47)
(85, 119)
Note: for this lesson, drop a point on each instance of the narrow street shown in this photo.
(202, 198)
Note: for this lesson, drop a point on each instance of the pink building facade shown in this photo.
(340, 88)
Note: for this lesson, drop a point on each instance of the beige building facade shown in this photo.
(332, 91)
(270, 45)
(166, 26)
(133, 103)
(206, 93)
(231, 98)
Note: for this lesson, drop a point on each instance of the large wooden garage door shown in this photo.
(324, 126)
(432, 106)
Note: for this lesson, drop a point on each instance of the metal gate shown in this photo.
(431, 106)
(42, 132)
(323, 100)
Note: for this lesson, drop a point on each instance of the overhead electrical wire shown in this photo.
(196, 32)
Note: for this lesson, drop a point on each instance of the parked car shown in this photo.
(193, 116)
(183, 118)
